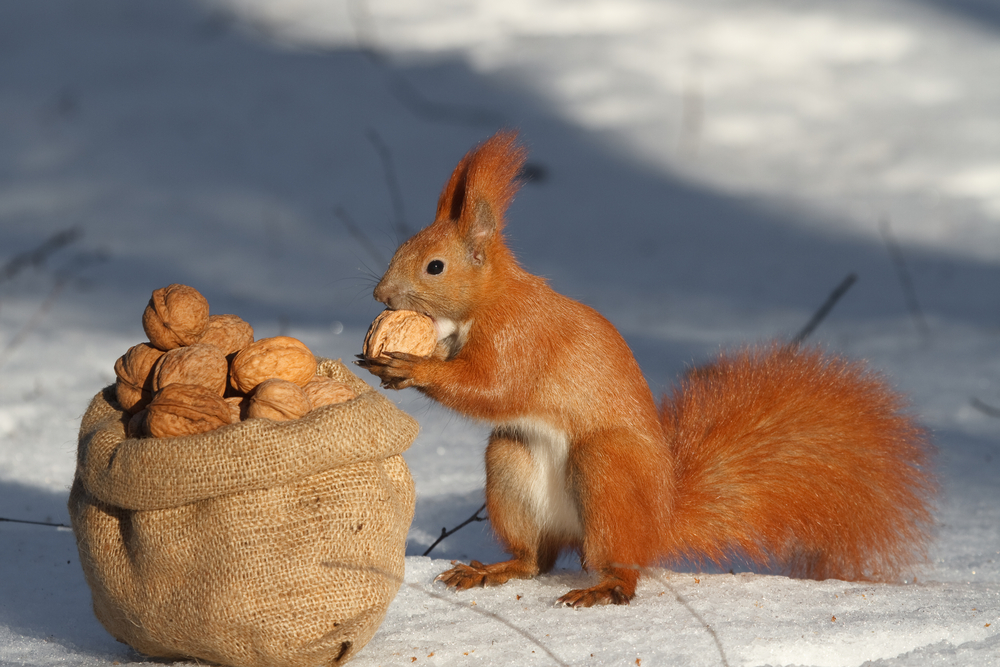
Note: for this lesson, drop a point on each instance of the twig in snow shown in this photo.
(391, 182)
(691, 610)
(34, 523)
(450, 600)
(37, 257)
(360, 236)
(445, 532)
(985, 408)
(496, 617)
(905, 279)
(33, 321)
(825, 309)
(62, 279)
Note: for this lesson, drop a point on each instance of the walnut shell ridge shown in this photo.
(400, 331)
(134, 372)
(279, 400)
(229, 333)
(199, 364)
(322, 390)
(281, 357)
(175, 316)
(186, 409)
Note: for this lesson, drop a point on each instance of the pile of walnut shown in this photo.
(200, 372)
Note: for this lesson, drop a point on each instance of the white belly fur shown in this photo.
(548, 487)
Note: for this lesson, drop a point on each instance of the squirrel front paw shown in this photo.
(394, 369)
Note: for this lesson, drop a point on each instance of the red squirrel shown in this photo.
(786, 457)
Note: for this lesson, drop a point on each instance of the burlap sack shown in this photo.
(258, 544)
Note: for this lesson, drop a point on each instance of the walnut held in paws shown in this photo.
(175, 316)
(278, 357)
(229, 333)
(322, 390)
(400, 331)
(199, 364)
(186, 409)
(134, 371)
(279, 400)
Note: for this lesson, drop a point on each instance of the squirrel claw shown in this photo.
(404, 356)
(463, 577)
(394, 369)
(588, 597)
(477, 574)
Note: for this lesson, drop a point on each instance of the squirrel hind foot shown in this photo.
(615, 587)
(475, 574)
(600, 594)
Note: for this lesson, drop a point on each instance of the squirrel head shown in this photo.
(452, 266)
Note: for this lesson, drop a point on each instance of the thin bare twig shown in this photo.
(985, 408)
(33, 321)
(62, 279)
(50, 524)
(391, 182)
(37, 256)
(450, 600)
(445, 532)
(691, 610)
(496, 617)
(905, 279)
(825, 309)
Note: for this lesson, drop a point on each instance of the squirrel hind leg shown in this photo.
(623, 489)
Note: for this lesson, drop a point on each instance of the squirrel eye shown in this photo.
(435, 267)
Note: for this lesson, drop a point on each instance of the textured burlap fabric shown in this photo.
(259, 544)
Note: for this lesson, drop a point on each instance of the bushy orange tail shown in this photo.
(797, 461)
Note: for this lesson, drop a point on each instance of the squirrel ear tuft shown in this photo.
(487, 175)
(449, 207)
(482, 226)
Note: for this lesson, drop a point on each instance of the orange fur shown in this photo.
(785, 458)
(489, 173)
(800, 461)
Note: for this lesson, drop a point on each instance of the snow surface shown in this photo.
(706, 174)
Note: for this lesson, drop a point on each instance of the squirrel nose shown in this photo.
(383, 291)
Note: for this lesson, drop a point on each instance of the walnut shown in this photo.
(229, 333)
(278, 357)
(136, 427)
(199, 364)
(322, 390)
(134, 371)
(279, 400)
(186, 409)
(175, 316)
(237, 407)
(400, 331)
